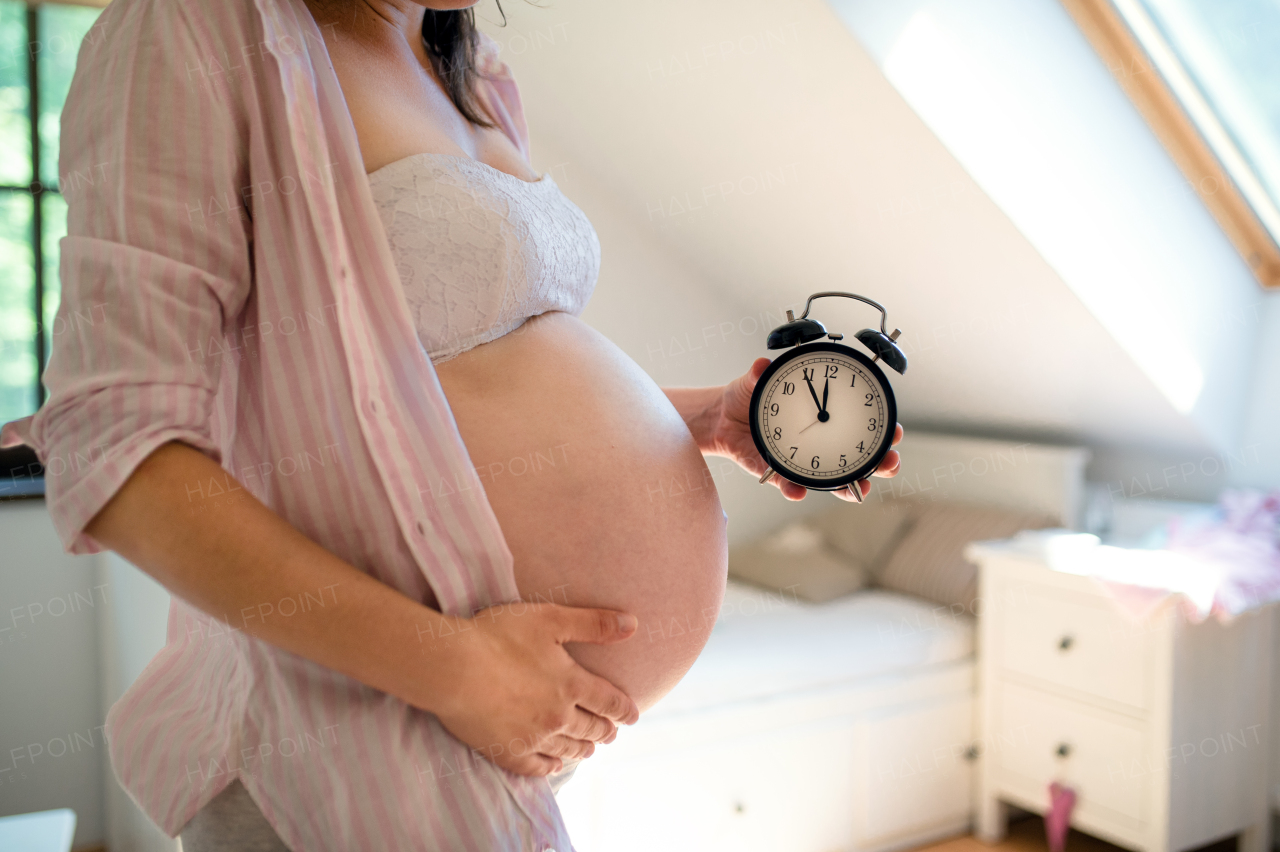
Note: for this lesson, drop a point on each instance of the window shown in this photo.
(1206, 75)
(38, 47)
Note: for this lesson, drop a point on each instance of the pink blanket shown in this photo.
(1219, 566)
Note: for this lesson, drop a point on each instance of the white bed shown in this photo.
(765, 644)
(843, 725)
(803, 727)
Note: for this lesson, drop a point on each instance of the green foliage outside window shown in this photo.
(52, 35)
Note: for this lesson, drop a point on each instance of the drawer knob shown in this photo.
(738, 807)
(1065, 643)
(973, 752)
(1064, 750)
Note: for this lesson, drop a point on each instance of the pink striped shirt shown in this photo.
(226, 282)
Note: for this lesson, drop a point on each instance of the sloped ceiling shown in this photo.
(759, 145)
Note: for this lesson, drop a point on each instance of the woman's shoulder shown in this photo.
(187, 44)
(196, 16)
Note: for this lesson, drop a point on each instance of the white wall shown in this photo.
(75, 631)
(1020, 97)
(52, 752)
(1262, 426)
(1043, 127)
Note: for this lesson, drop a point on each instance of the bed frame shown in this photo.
(1006, 474)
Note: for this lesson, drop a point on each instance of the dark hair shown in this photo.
(451, 40)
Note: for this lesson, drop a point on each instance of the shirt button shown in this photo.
(372, 406)
(344, 273)
(422, 531)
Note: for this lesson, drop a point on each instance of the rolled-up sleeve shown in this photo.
(156, 262)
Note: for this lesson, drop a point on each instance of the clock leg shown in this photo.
(768, 474)
(855, 492)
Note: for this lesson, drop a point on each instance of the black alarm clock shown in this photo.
(823, 414)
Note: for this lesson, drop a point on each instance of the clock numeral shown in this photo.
(814, 464)
(788, 388)
(773, 409)
(870, 397)
(777, 433)
(843, 460)
(861, 449)
(832, 369)
(855, 380)
(808, 374)
(871, 427)
(793, 452)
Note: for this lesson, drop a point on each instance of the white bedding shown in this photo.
(765, 644)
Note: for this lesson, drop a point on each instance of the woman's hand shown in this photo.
(520, 700)
(501, 681)
(728, 433)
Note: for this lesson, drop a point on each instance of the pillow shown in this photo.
(930, 563)
(865, 534)
(797, 563)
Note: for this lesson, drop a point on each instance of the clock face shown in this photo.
(823, 415)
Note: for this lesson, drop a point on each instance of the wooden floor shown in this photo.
(1027, 835)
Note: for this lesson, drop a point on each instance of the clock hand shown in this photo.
(814, 393)
(823, 416)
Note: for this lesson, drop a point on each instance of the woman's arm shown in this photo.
(512, 679)
(718, 419)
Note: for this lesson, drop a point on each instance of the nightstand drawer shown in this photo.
(1068, 641)
(1043, 738)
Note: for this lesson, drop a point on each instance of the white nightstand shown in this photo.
(1161, 727)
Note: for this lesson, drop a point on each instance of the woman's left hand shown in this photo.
(730, 436)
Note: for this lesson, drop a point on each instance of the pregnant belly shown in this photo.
(601, 493)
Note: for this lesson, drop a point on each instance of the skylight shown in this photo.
(1221, 59)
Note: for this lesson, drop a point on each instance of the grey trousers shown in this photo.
(232, 822)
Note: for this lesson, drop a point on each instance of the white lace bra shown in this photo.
(479, 251)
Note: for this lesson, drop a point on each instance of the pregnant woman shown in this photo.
(343, 408)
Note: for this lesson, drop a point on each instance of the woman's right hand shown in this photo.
(520, 700)
(500, 681)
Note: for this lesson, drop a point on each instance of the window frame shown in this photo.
(35, 191)
(1143, 78)
(21, 474)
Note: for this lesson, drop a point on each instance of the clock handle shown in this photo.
(884, 315)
